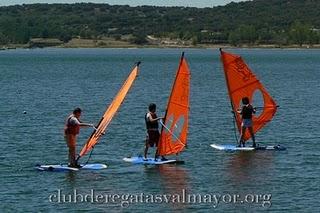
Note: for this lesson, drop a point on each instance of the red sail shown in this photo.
(241, 82)
(174, 132)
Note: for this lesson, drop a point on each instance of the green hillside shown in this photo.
(282, 22)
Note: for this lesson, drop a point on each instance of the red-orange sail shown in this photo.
(174, 132)
(241, 82)
(110, 112)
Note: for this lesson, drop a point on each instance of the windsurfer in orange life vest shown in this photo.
(153, 135)
(246, 112)
(71, 130)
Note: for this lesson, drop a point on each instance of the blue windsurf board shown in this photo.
(63, 167)
(151, 161)
(229, 147)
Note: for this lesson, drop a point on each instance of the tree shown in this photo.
(65, 37)
(299, 33)
(3, 39)
(313, 37)
(45, 33)
(234, 38)
(194, 40)
(245, 34)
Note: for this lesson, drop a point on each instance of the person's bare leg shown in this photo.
(156, 154)
(146, 150)
(72, 153)
(73, 150)
(69, 157)
(243, 131)
(252, 136)
(156, 144)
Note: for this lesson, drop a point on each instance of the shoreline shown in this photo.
(105, 44)
(166, 47)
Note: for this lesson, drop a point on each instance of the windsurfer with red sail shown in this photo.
(71, 130)
(152, 125)
(246, 112)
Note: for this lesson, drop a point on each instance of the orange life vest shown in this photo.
(70, 128)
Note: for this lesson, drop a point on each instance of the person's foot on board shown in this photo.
(74, 165)
(254, 145)
(163, 159)
(78, 166)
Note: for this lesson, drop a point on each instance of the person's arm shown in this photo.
(77, 122)
(149, 117)
(253, 110)
(86, 125)
(239, 111)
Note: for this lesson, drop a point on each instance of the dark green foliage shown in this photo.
(139, 39)
(253, 22)
(65, 37)
(3, 39)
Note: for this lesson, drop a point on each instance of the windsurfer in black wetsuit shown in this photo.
(153, 135)
(246, 113)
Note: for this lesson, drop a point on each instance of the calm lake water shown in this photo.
(49, 83)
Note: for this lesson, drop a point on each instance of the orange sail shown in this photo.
(110, 112)
(174, 131)
(241, 82)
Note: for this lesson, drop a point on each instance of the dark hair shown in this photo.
(152, 107)
(77, 110)
(245, 100)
